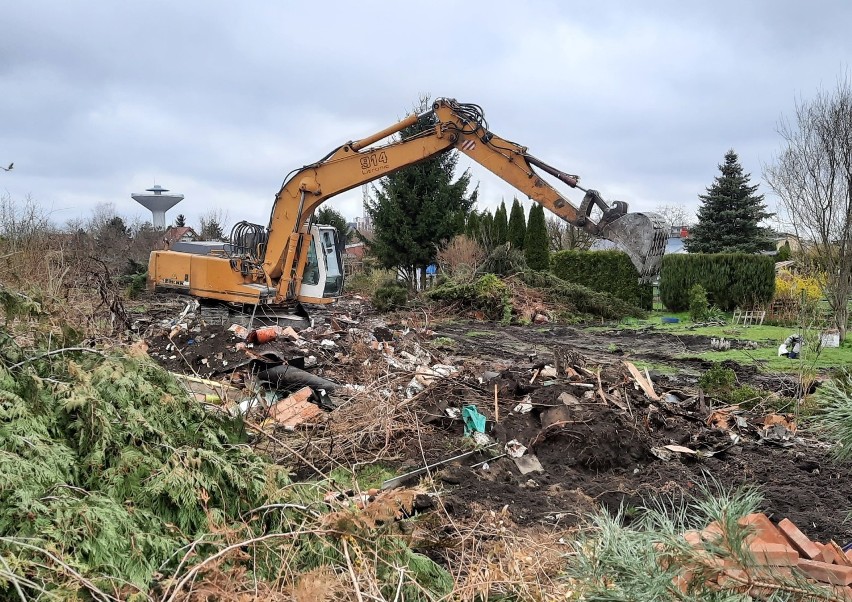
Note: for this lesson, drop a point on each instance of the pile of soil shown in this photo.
(596, 454)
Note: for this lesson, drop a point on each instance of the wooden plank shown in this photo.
(640, 380)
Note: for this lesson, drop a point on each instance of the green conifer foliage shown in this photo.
(517, 225)
(329, 216)
(417, 208)
(501, 224)
(730, 215)
(487, 236)
(536, 246)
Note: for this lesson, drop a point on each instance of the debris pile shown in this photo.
(770, 556)
(533, 419)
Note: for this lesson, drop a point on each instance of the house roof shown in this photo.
(175, 234)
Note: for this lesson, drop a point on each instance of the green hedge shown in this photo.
(606, 271)
(731, 280)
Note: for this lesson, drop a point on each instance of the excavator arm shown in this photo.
(268, 265)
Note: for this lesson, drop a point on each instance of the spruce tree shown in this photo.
(730, 214)
(517, 226)
(501, 224)
(536, 246)
(180, 220)
(417, 208)
(328, 216)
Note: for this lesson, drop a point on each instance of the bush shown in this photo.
(606, 271)
(487, 294)
(797, 287)
(503, 261)
(718, 380)
(731, 280)
(390, 295)
(367, 282)
(698, 305)
(460, 256)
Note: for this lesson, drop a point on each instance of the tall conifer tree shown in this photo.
(730, 214)
(517, 226)
(417, 208)
(536, 245)
(501, 224)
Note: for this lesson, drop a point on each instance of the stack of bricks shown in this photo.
(777, 552)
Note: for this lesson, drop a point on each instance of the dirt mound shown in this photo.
(593, 438)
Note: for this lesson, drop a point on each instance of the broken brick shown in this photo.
(295, 409)
(773, 554)
(826, 573)
(800, 541)
(712, 532)
(829, 555)
(763, 528)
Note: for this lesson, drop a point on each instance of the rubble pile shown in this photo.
(541, 428)
(771, 555)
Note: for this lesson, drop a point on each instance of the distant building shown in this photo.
(364, 225)
(782, 238)
(179, 234)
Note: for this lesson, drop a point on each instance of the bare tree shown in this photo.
(23, 220)
(565, 237)
(812, 176)
(676, 215)
(213, 224)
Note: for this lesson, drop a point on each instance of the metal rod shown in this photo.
(390, 483)
(393, 129)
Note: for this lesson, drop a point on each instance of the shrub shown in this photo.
(698, 305)
(606, 271)
(718, 380)
(797, 287)
(367, 282)
(461, 255)
(504, 260)
(730, 280)
(390, 295)
(487, 294)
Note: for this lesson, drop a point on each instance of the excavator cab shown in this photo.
(323, 275)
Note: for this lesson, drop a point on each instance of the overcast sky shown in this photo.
(219, 100)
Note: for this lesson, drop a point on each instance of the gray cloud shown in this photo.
(220, 100)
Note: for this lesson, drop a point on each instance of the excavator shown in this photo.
(294, 260)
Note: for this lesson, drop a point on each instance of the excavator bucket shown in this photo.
(643, 237)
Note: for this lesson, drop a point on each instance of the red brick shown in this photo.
(295, 409)
(841, 555)
(763, 528)
(693, 538)
(800, 541)
(829, 555)
(742, 581)
(773, 554)
(827, 573)
(712, 532)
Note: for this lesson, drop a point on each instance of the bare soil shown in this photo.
(598, 455)
(593, 453)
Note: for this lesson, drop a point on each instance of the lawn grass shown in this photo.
(768, 337)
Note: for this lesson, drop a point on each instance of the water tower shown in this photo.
(158, 203)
